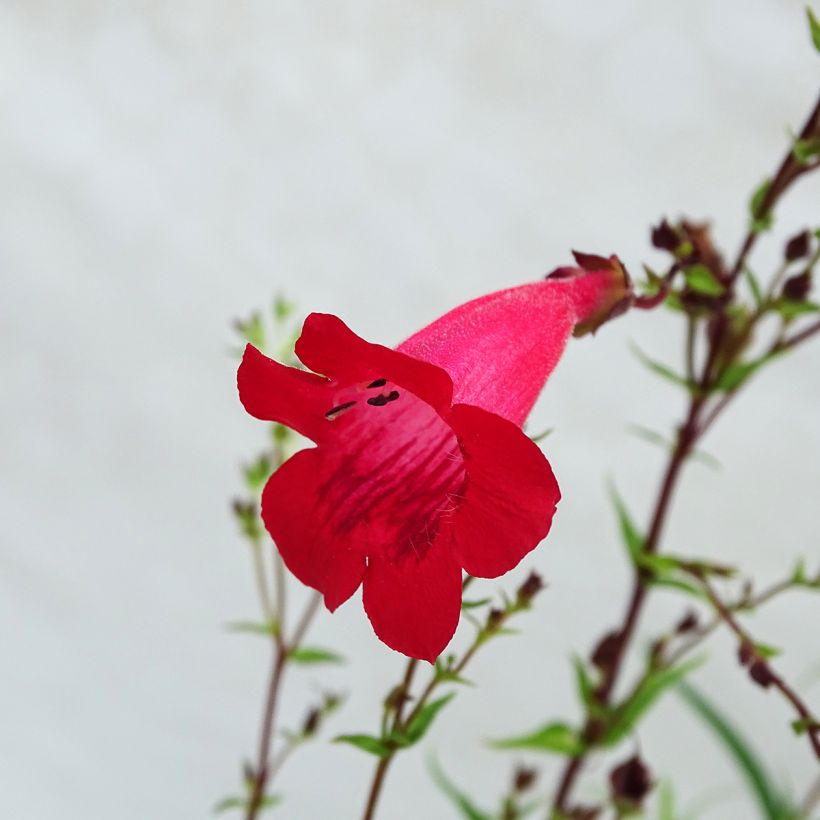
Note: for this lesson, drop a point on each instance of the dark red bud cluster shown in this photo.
(797, 247)
(630, 782)
(529, 589)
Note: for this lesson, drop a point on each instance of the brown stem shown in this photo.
(772, 678)
(788, 171)
(687, 437)
(282, 649)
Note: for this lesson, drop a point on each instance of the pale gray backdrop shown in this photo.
(165, 167)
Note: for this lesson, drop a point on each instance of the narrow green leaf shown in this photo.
(814, 27)
(700, 279)
(803, 725)
(678, 584)
(790, 308)
(760, 221)
(427, 714)
(627, 714)
(313, 655)
(662, 370)
(542, 435)
(461, 801)
(554, 737)
(767, 651)
(773, 805)
(734, 375)
(632, 539)
(257, 473)
(653, 437)
(666, 803)
(754, 286)
(806, 150)
(269, 628)
(583, 683)
(367, 743)
(465, 604)
(234, 802)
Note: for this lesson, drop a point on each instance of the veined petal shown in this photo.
(329, 347)
(510, 496)
(414, 604)
(500, 349)
(273, 392)
(296, 516)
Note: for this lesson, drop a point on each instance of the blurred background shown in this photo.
(167, 167)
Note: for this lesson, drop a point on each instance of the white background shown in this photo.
(165, 167)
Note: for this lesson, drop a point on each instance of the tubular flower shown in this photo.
(421, 470)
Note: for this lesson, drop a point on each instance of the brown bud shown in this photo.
(311, 723)
(605, 653)
(524, 778)
(665, 237)
(797, 288)
(760, 673)
(745, 653)
(631, 781)
(797, 247)
(687, 623)
(495, 617)
(530, 588)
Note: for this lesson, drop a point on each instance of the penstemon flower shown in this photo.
(421, 470)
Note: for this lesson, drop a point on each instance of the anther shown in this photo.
(338, 410)
(380, 401)
(377, 383)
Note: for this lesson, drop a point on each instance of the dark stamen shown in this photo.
(380, 401)
(377, 383)
(335, 411)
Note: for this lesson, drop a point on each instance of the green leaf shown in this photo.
(465, 604)
(234, 802)
(754, 286)
(814, 27)
(627, 714)
(367, 743)
(656, 438)
(257, 473)
(554, 737)
(542, 435)
(760, 221)
(465, 806)
(678, 584)
(268, 628)
(803, 725)
(767, 651)
(666, 803)
(700, 279)
(773, 804)
(790, 308)
(735, 374)
(632, 539)
(662, 370)
(805, 150)
(313, 654)
(417, 727)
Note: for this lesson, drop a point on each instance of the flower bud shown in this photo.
(630, 782)
(760, 673)
(665, 237)
(605, 653)
(529, 589)
(797, 288)
(524, 778)
(797, 247)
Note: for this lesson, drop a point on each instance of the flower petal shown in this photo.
(272, 392)
(329, 347)
(510, 497)
(296, 516)
(414, 604)
(500, 349)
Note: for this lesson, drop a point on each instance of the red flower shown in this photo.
(421, 470)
